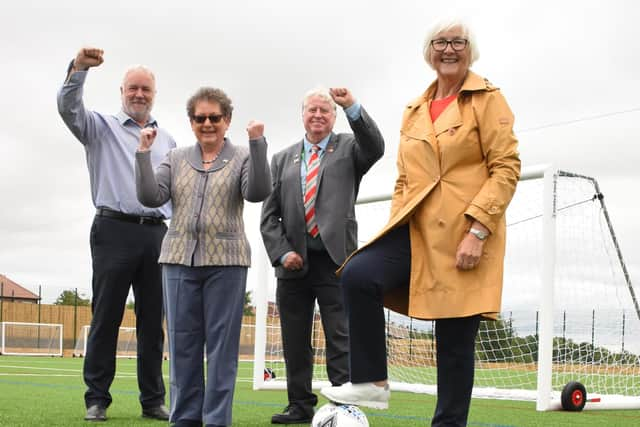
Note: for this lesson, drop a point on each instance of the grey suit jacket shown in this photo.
(347, 158)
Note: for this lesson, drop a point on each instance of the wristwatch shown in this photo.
(481, 235)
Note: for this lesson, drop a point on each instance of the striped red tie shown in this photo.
(310, 190)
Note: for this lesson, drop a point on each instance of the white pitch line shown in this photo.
(76, 375)
(38, 368)
(75, 371)
(6, 374)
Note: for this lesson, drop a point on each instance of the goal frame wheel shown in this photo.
(573, 397)
(269, 374)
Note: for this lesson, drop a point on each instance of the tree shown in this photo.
(494, 341)
(248, 308)
(69, 297)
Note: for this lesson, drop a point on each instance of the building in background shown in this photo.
(12, 292)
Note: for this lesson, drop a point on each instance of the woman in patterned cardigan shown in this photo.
(205, 254)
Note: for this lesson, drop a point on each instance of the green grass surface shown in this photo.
(39, 391)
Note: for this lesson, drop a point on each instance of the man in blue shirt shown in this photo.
(125, 236)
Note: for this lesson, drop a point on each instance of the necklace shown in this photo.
(208, 162)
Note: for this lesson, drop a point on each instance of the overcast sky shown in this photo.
(570, 72)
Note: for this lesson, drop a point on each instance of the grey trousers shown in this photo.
(204, 308)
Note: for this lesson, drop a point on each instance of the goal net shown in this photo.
(30, 339)
(126, 347)
(570, 313)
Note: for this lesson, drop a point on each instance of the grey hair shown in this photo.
(210, 94)
(445, 25)
(320, 92)
(133, 68)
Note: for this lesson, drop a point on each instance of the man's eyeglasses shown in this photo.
(440, 45)
(213, 118)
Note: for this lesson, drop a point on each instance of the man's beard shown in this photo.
(136, 114)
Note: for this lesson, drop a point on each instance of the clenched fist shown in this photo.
(147, 136)
(342, 96)
(255, 129)
(88, 57)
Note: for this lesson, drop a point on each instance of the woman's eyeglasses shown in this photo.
(440, 45)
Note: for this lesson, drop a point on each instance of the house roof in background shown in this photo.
(11, 289)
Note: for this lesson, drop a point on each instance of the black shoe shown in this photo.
(187, 423)
(292, 414)
(157, 413)
(96, 413)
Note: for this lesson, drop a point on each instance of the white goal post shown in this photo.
(570, 314)
(126, 347)
(31, 339)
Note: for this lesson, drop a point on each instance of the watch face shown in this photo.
(479, 233)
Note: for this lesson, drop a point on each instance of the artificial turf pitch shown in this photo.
(47, 391)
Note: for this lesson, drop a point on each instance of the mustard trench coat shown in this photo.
(464, 166)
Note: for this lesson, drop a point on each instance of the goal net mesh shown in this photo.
(126, 345)
(596, 327)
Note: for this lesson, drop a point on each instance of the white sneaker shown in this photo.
(365, 394)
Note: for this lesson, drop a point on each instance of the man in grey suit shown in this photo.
(309, 228)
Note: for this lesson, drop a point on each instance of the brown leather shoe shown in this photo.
(160, 412)
(292, 414)
(96, 413)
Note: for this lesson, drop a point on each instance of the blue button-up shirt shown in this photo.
(110, 143)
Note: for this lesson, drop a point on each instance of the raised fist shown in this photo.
(88, 57)
(255, 129)
(342, 96)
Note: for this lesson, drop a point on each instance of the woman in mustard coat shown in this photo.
(441, 254)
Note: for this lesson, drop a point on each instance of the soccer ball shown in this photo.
(332, 415)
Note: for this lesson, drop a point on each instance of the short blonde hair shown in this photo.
(445, 25)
